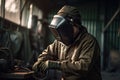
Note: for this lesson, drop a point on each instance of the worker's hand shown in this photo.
(49, 65)
(38, 73)
(35, 67)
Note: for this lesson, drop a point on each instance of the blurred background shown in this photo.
(24, 31)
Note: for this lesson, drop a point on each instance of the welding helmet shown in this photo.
(62, 24)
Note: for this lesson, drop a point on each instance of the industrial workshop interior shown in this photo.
(25, 34)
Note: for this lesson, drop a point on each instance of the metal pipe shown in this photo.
(111, 20)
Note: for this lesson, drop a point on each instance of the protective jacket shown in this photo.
(79, 61)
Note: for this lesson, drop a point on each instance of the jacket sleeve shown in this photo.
(48, 54)
(85, 62)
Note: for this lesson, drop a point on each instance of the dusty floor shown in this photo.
(110, 75)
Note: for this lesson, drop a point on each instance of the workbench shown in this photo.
(17, 76)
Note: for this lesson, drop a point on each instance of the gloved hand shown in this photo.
(38, 73)
(35, 67)
(49, 65)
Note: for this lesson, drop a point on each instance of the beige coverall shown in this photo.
(79, 61)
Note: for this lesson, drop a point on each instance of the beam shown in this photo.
(111, 20)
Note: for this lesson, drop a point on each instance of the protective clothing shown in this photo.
(49, 65)
(70, 12)
(79, 61)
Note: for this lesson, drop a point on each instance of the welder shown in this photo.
(75, 52)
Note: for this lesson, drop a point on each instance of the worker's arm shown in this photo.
(48, 54)
(85, 62)
(89, 54)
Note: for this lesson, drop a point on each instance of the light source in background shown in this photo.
(12, 6)
(30, 17)
(0, 8)
(35, 14)
(12, 10)
(0, 2)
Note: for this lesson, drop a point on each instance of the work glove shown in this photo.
(35, 67)
(45, 65)
(38, 73)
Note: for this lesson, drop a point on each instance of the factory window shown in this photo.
(35, 16)
(0, 2)
(30, 17)
(0, 7)
(12, 10)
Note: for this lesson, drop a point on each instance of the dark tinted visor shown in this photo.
(57, 21)
(55, 33)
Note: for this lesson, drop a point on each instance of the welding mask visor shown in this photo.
(62, 29)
